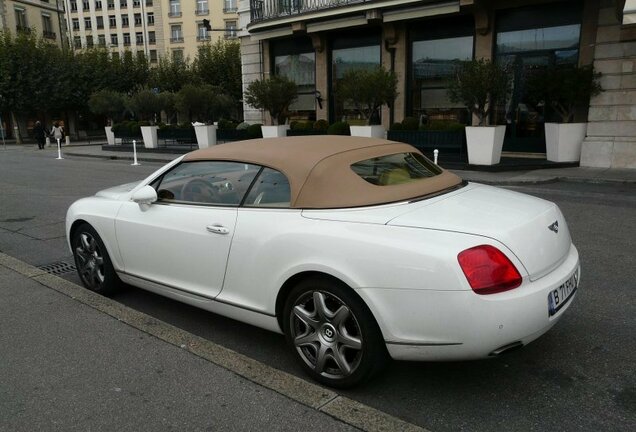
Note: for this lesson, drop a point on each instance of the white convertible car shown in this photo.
(356, 249)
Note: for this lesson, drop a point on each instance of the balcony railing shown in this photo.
(202, 12)
(176, 39)
(48, 34)
(270, 9)
(229, 10)
(203, 38)
(174, 14)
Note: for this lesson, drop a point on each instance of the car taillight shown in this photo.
(488, 270)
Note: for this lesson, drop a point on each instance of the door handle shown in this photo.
(217, 229)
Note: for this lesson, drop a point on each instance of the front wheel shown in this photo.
(332, 333)
(93, 264)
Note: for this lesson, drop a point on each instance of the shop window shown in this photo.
(296, 60)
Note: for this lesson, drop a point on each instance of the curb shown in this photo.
(297, 389)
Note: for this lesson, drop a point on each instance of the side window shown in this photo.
(271, 189)
(206, 182)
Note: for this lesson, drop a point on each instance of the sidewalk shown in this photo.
(74, 360)
(577, 174)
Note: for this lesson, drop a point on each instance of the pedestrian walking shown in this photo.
(40, 134)
(57, 132)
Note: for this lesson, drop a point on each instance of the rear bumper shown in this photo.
(461, 325)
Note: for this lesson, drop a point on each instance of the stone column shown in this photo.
(611, 131)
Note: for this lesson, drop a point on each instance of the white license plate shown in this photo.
(558, 297)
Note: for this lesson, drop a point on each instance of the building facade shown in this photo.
(152, 27)
(314, 42)
(45, 17)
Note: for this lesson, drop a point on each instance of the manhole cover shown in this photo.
(58, 268)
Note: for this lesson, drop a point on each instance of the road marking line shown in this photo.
(309, 394)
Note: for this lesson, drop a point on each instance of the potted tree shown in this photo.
(367, 90)
(274, 95)
(564, 89)
(480, 85)
(110, 104)
(145, 104)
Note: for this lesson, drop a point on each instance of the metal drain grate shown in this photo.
(58, 268)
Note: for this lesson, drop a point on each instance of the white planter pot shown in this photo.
(484, 144)
(110, 136)
(274, 131)
(206, 135)
(375, 131)
(563, 141)
(149, 135)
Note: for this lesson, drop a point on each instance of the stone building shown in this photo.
(421, 39)
(45, 17)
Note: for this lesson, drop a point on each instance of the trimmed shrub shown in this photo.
(339, 128)
(410, 124)
(321, 125)
(443, 125)
(226, 124)
(396, 127)
(242, 126)
(254, 131)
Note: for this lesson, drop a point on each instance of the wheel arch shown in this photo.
(295, 279)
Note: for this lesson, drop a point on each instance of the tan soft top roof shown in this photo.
(319, 168)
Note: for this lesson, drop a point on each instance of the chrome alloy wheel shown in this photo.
(89, 261)
(326, 334)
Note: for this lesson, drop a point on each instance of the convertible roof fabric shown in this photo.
(319, 169)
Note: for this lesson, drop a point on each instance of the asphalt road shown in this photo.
(579, 376)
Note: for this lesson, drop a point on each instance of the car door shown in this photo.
(183, 239)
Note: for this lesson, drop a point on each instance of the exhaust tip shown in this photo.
(506, 349)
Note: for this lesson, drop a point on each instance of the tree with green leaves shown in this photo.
(108, 103)
(367, 89)
(144, 104)
(274, 95)
(479, 85)
(171, 74)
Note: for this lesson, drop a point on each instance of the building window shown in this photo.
(47, 26)
(230, 29)
(101, 40)
(112, 21)
(529, 39)
(202, 33)
(77, 42)
(100, 22)
(296, 60)
(126, 39)
(436, 51)
(150, 18)
(351, 53)
(111, 4)
(152, 39)
(86, 5)
(137, 19)
(177, 55)
(175, 8)
(229, 6)
(113, 40)
(87, 23)
(89, 41)
(153, 56)
(98, 5)
(202, 7)
(124, 20)
(76, 24)
(136, 3)
(148, 2)
(21, 20)
(123, 4)
(175, 34)
(139, 38)
(73, 6)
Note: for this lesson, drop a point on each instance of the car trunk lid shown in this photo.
(532, 228)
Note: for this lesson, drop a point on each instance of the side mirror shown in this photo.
(145, 196)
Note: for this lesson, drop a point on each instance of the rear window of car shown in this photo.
(395, 169)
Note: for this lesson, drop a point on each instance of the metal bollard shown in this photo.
(59, 150)
(135, 153)
(435, 154)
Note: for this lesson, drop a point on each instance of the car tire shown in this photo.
(94, 267)
(332, 333)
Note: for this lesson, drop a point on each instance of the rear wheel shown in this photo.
(93, 264)
(332, 333)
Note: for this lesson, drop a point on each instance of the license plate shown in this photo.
(558, 297)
